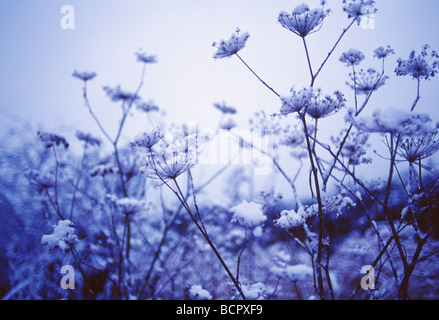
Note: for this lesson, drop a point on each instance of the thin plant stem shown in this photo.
(263, 82)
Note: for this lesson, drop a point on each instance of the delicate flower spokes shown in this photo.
(303, 21)
(421, 66)
(231, 46)
(352, 57)
(321, 106)
(296, 102)
(413, 149)
(367, 81)
(147, 139)
(359, 8)
(381, 53)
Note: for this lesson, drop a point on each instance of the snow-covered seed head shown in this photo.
(352, 57)
(359, 8)
(232, 46)
(303, 21)
(84, 76)
(365, 82)
(147, 139)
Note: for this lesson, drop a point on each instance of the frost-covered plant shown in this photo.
(227, 48)
(303, 21)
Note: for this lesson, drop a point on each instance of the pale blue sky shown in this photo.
(38, 57)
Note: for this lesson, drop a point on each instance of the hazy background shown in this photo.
(38, 58)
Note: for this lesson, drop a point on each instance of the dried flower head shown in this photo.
(176, 153)
(321, 106)
(116, 94)
(365, 82)
(51, 139)
(359, 8)
(88, 139)
(413, 149)
(84, 76)
(144, 58)
(303, 21)
(352, 57)
(421, 66)
(381, 53)
(224, 108)
(147, 107)
(354, 148)
(147, 139)
(296, 102)
(230, 47)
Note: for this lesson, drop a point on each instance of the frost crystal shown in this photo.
(232, 46)
(248, 214)
(303, 21)
(63, 236)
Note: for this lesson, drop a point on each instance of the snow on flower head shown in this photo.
(127, 205)
(176, 152)
(365, 82)
(395, 121)
(321, 106)
(84, 76)
(248, 214)
(421, 66)
(197, 292)
(296, 102)
(289, 219)
(230, 47)
(147, 139)
(358, 8)
(352, 57)
(303, 21)
(63, 236)
(381, 53)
